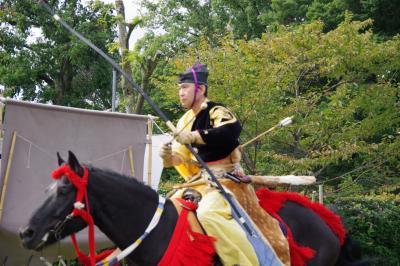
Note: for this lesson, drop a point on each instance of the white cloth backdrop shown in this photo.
(98, 138)
(157, 165)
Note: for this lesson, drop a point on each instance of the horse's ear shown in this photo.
(73, 163)
(60, 160)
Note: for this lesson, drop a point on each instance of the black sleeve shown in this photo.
(225, 129)
(224, 135)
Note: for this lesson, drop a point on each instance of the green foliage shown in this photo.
(177, 25)
(330, 12)
(374, 221)
(286, 12)
(384, 13)
(55, 66)
(341, 86)
(189, 21)
(169, 178)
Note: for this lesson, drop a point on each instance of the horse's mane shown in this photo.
(121, 179)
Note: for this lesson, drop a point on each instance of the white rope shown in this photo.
(154, 122)
(34, 145)
(31, 143)
(123, 161)
(108, 155)
(153, 223)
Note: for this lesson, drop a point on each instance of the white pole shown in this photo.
(150, 150)
(321, 194)
(1, 118)
(114, 88)
(313, 194)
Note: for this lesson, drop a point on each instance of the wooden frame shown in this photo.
(7, 173)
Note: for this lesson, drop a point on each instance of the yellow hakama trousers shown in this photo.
(232, 244)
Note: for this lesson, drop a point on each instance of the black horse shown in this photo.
(310, 230)
(122, 208)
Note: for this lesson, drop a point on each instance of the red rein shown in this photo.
(81, 185)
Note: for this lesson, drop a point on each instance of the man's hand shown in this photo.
(166, 154)
(238, 170)
(188, 137)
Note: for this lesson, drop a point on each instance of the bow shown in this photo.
(160, 113)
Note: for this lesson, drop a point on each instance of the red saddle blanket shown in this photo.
(273, 201)
(186, 246)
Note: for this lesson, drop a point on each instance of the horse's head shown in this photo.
(52, 220)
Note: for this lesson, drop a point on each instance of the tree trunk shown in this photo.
(63, 82)
(135, 101)
(147, 69)
(124, 33)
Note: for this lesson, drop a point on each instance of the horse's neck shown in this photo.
(119, 204)
(122, 210)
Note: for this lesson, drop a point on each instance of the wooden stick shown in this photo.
(131, 161)
(7, 172)
(257, 137)
(282, 180)
(150, 153)
(202, 182)
(192, 180)
(263, 181)
(284, 122)
(193, 184)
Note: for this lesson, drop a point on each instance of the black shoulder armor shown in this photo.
(219, 129)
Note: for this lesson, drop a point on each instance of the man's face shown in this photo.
(186, 94)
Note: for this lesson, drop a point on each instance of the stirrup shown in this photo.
(192, 195)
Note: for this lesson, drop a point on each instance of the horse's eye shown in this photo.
(64, 180)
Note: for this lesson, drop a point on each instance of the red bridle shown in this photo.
(81, 209)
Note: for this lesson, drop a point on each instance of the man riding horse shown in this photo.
(316, 235)
(214, 131)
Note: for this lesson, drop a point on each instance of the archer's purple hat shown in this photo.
(198, 73)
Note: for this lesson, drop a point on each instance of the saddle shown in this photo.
(268, 226)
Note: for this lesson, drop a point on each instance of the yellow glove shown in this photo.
(188, 137)
(166, 154)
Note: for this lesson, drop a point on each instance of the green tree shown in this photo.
(55, 67)
(341, 86)
(330, 12)
(373, 221)
(286, 12)
(125, 30)
(191, 20)
(245, 17)
(384, 13)
(187, 20)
